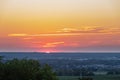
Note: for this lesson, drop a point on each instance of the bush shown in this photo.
(25, 70)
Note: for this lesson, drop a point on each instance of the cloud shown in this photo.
(17, 35)
(90, 29)
(52, 44)
(64, 32)
(40, 35)
(74, 32)
(67, 30)
(57, 42)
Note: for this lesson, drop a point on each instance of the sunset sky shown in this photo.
(60, 25)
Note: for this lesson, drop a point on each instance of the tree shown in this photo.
(25, 70)
(1, 57)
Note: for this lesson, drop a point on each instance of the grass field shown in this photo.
(100, 77)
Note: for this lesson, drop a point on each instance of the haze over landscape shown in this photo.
(59, 25)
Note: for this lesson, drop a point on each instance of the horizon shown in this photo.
(60, 52)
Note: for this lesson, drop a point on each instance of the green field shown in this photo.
(101, 77)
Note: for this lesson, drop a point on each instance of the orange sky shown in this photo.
(60, 25)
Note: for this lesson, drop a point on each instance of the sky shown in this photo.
(60, 25)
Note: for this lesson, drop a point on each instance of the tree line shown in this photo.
(25, 70)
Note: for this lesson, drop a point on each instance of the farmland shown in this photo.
(98, 77)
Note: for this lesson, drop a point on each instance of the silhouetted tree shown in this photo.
(25, 70)
(1, 57)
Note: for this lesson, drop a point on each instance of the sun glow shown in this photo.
(48, 52)
(51, 26)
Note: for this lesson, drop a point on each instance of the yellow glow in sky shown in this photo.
(31, 19)
(48, 15)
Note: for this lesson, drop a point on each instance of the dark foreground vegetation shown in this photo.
(25, 70)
